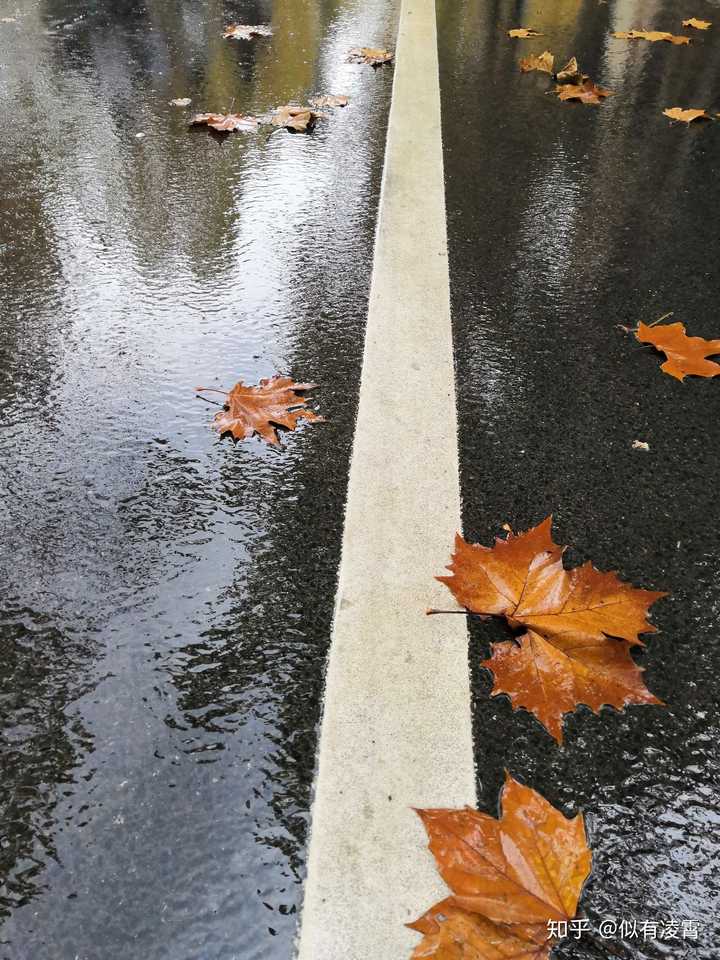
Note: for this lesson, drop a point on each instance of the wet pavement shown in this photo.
(564, 222)
(166, 595)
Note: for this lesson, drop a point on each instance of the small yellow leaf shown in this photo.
(652, 35)
(521, 33)
(697, 24)
(686, 116)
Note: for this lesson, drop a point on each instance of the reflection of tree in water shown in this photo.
(41, 743)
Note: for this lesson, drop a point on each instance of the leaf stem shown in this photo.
(431, 610)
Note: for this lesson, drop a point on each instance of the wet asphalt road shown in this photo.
(166, 612)
(166, 596)
(564, 222)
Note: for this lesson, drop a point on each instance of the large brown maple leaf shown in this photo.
(685, 355)
(274, 402)
(580, 625)
(508, 877)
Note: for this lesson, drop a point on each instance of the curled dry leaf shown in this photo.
(587, 91)
(329, 100)
(297, 119)
(580, 625)
(570, 73)
(697, 24)
(274, 402)
(652, 35)
(685, 355)
(686, 116)
(224, 122)
(640, 445)
(181, 102)
(522, 33)
(544, 63)
(509, 877)
(242, 31)
(371, 55)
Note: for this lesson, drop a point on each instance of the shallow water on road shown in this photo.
(167, 595)
(566, 221)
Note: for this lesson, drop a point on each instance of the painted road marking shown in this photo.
(396, 729)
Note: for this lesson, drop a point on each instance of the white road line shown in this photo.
(396, 727)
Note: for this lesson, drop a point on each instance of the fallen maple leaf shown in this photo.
(298, 119)
(451, 933)
(509, 877)
(685, 355)
(224, 122)
(581, 624)
(274, 402)
(652, 35)
(686, 116)
(371, 55)
(329, 100)
(697, 24)
(550, 677)
(522, 33)
(242, 31)
(587, 91)
(545, 63)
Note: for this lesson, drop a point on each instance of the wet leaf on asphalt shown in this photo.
(297, 119)
(181, 102)
(686, 356)
(274, 402)
(521, 33)
(450, 933)
(587, 91)
(371, 55)
(652, 35)
(697, 24)
(329, 100)
(686, 116)
(509, 877)
(580, 624)
(225, 122)
(242, 31)
(545, 63)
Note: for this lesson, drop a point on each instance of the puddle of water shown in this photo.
(566, 221)
(167, 596)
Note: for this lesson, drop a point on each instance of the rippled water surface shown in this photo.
(166, 595)
(566, 221)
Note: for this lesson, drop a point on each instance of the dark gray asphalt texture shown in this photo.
(166, 598)
(566, 221)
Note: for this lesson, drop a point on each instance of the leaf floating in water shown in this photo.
(181, 102)
(587, 91)
(296, 119)
(225, 122)
(329, 100)
(544, 63)
(241, 31)
(371, 55)
(686, 116)
(652, 35)
(697, 24)
(522, 33)
(274, 402)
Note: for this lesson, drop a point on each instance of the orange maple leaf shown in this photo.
(508, 877)
(685, 355)
(567, 656)
(260, 409)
